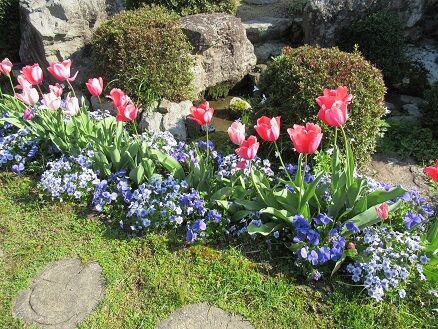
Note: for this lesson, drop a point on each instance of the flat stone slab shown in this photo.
(267, 28)
(62, 295)
(203, 316)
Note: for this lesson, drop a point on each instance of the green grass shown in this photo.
(149, 277)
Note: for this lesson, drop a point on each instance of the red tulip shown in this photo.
(28, 96)
(305, 139)
(268, 129)
(33, 74)
(127, 113)
(22, 82)
(56, 89)
(248, 149)
(383, 211)
(119, 98)
(333, 106)
(61, 70)
(432, 171)
(95, 86)
(237, 133)
(202, 114)
(5, 66)
(27, 115)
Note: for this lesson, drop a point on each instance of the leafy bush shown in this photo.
(293, 80)
(190, 6)
(430, 110)
(145, 53)
(381, 40)
(9, 29)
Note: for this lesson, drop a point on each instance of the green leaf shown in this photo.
(280, 214)
(136, 174)
(339, 263)
(224, 204)
(115, 156)
(170, 163)
(432, 234)
(252, 205)
(14, 121)
(264, 229)
(380, 196)
(240, 214)
(369, 217)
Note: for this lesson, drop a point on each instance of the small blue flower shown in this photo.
(412, 219)
(352, 227)
(322, 219)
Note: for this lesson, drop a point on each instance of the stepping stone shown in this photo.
(267, 28)
(203, 316)
(62, 295)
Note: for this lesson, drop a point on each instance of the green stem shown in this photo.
(71, 87)
(253, 181)
(281, 161)
(206, 128)
(336, 136)
(39, 89)
(1, 93)
(13, 93)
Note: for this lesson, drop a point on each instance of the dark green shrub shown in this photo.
(430, 110)
(293, 80)
(9, 29)
(145, 53)
(381, 40)
(189, 7)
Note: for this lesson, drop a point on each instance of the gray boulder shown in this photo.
(61, 29)
(325, 20)
(221, 49)
(167, 116)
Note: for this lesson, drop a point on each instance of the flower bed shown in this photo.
(382, 237)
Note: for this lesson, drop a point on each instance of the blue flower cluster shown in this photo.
(16, 148)
(227, 166)
(314, 252)
(394, 257)
(293, 169)
(164, 202)
(69, 177)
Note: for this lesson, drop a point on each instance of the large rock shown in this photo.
(60, 29)
(167, 116)
(268, 28)
(221, 49)
(325, 20)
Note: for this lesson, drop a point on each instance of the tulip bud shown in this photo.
(351, 245)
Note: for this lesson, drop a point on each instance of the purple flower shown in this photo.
(412, 219)
(322, 219)
(352, 227)
(313, 257)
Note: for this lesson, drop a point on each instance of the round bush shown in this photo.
(294, 79)
(146, 54)
(190, 7)
(9, 29)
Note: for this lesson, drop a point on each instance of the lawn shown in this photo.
(149, 277)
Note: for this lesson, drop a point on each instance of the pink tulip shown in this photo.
(71, 106)
(56, 89)
(306, 139)
(383, 211)
(95, 86)
(33, 74)
(119, 98)
(237, 133)
(22, 82)
(268, 129)
(27, 114)
(51, 101)
(248, 149)
(202, 114)
(5, 66)
(333, 106)
(127, 113)
(28, 96)
(61, 70)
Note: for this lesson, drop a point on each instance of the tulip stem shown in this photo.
(281, 161)
(206, 129)
(39, 89)
(71, 87)
(100, 103)
(253, 181)
(336, 136)
(13, 93)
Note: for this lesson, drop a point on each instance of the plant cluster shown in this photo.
(380, 37)
(190, 7)
(328, 221)
(9, 28)
(294, 79)
(145, 53)
(430, 110)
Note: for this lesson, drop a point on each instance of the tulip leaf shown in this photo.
(252, 205)
(280, 214)
(264, 229)
(238, 215)
(380, 196)
(136, 174)
(14, 121)
(170, 163)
